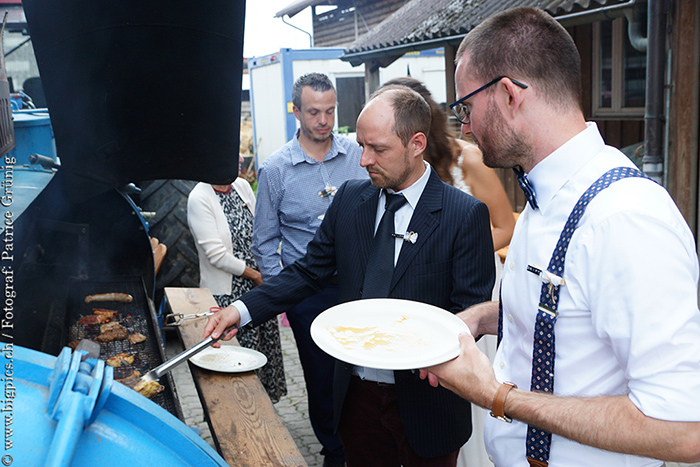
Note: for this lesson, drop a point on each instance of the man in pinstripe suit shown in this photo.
(390, 418)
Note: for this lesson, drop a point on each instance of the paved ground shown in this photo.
(293, 408)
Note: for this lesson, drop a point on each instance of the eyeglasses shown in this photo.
(462, 112)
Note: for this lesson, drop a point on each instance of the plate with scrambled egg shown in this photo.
(229, 359)
(388, 334)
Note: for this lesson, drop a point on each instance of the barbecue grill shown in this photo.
(135, 91)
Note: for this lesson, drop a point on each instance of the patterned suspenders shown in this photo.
(538, 441)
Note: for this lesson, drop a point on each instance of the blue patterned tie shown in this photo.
(526, 186)
(539, 441)
(380, 266)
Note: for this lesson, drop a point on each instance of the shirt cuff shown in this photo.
(243, 311)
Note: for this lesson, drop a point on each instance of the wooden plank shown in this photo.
(245, 426)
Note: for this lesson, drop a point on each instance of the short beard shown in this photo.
(394, 182)
(310, 135)
(506, 149)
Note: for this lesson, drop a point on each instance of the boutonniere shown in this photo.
(410, 237)
(328, 191)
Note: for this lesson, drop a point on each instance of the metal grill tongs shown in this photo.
(160, 370)
(176, 319)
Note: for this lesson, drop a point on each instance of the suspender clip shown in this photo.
(547, 277)
(548, 310)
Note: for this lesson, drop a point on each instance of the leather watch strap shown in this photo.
(499, 401)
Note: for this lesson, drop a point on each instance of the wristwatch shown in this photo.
(499, 402)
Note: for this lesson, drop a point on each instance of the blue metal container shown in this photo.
(33, 135)
(59, 411)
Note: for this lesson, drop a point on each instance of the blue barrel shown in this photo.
(33, 135)
(61, 411)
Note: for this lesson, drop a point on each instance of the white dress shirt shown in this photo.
(628, 313)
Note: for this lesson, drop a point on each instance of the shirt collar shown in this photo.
(299, 155)
(414, 192)
(550, 174)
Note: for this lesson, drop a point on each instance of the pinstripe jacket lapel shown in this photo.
(424, 222)
(365, 216)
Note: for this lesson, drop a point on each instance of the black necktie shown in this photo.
(525, 185)
(380, 266)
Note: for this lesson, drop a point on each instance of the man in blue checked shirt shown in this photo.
(296, 185)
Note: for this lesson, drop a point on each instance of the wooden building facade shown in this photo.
(339, 23)
(618, 52)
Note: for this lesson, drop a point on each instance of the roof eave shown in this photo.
(298, 7)
(360, 57)
(566, 20)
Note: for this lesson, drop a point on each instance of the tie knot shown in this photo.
(394, 202)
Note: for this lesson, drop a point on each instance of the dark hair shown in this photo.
(439, 151)
(411, 112)
(316, 81)
(526, 44)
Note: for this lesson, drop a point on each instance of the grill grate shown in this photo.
(135, 316)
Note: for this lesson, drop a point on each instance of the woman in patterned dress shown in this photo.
(221, 221)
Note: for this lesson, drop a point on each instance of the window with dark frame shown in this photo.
(619, 71)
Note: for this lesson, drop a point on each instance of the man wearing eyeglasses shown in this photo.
(296, 184)
(615, 288)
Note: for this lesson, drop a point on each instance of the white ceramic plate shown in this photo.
(388, 334)
(229, 359)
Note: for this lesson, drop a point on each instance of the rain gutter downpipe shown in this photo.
(634, 30)
(653, 160)
(311, 42)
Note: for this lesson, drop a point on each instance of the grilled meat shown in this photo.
(98, 316)
(93, 319)
(136, 337)
(145, 388)
(112, 331)
(114, 335)
(132, 380)
(109, 297)
(111, 326)
(148, 388)
(120, 359)
(104, 312)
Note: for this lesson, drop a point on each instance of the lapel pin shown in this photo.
(411, 237)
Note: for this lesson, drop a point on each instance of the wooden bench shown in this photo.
(245, 427)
